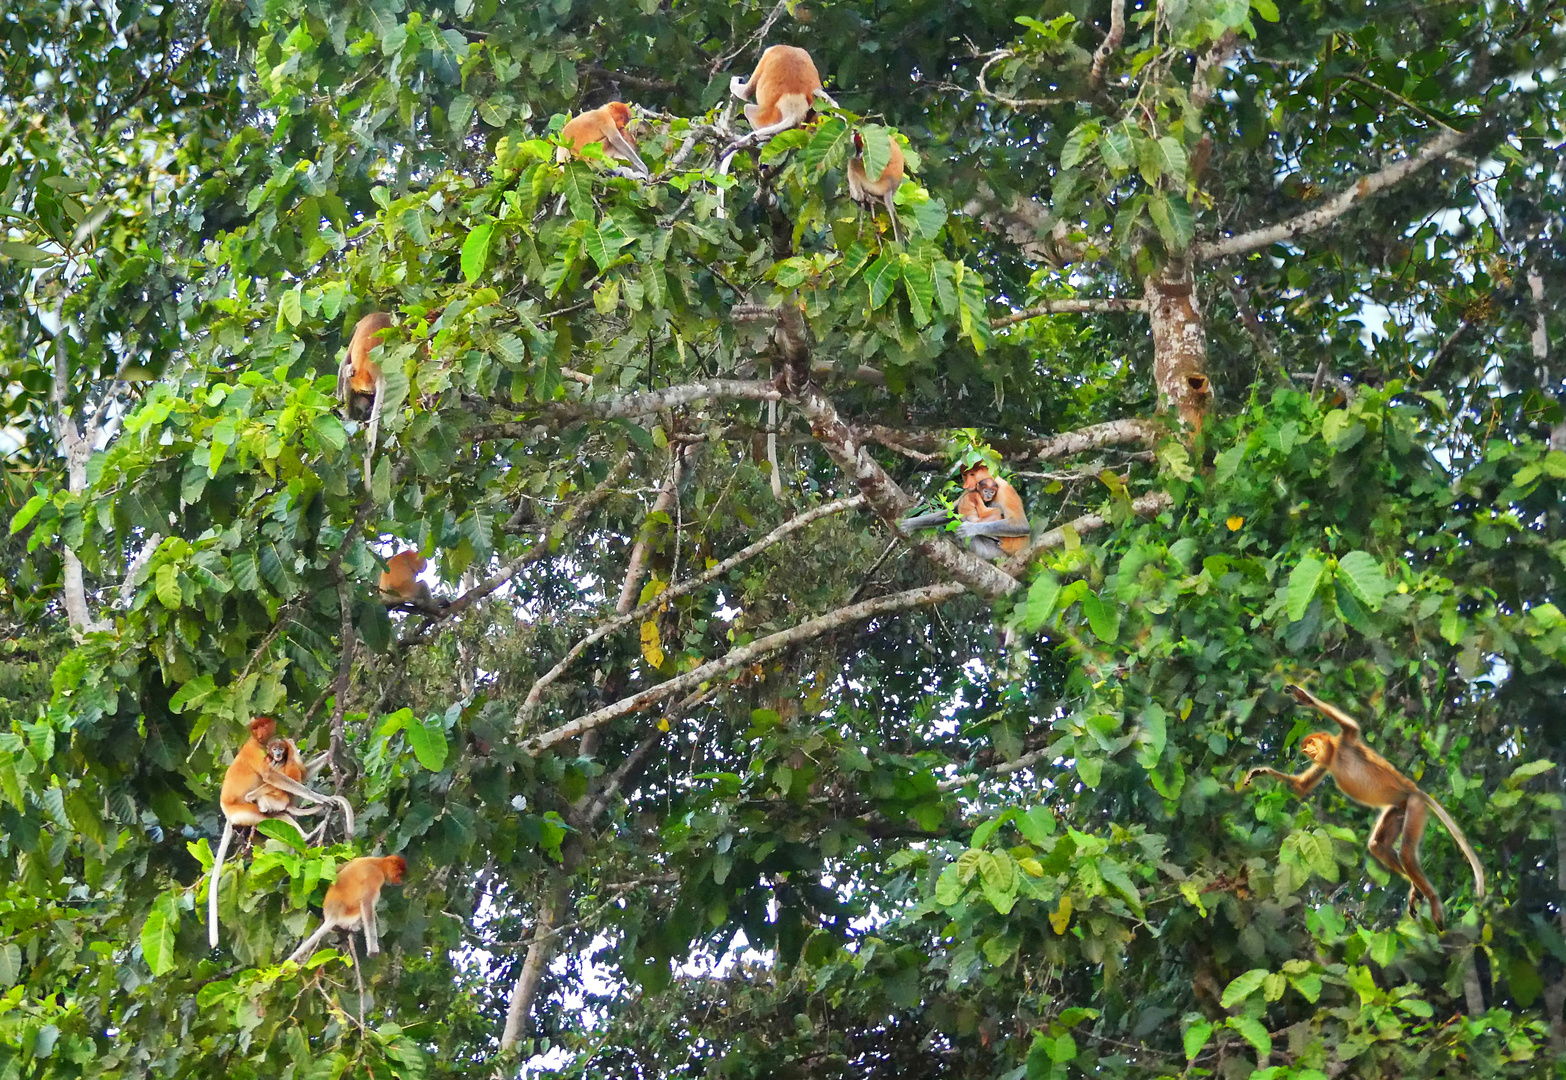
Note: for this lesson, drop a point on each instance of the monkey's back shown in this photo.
(861, 187)
(1363, 775)
(359, 878)
(784, 72)
(367, 334)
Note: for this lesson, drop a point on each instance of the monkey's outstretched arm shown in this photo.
(298, 790)
(998, 527)
(1302, 785)
(923, 521)
(1349, 725)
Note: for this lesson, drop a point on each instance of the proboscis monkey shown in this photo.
(605, 125)
(361, 385)
(882, 189)
(1366, 777)
(283, 756)
(988, 507)
(400, 582)
(255, 790)
(785, 85)
(350, 903)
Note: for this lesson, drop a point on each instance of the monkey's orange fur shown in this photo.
(785, 85)
(1370, 780)
(359, 373)
(351, 899)
(606, 126)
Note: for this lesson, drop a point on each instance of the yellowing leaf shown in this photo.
(1234, 523)
(652, 644)
(1060, 918)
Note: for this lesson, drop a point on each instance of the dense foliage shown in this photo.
(699, 767)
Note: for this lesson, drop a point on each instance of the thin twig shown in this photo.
(750, 551)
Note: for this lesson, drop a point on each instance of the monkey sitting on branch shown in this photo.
(1366, 777)
(989, 507)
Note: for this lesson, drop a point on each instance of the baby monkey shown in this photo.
(1367, 778)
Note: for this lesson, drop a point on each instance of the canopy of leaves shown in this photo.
(699, 767)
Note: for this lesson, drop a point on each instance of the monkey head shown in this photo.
(1318, 746)
(620, 112)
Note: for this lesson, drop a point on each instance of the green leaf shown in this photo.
(1037, 825)
(1115, 876)
(1103, 618)
(949, 886)
(330, 1067)
(1078, 143)
(29, 254)
(157, 935)
(429, 743)
(919, 285)
(878, 148)
(1527, 771)
(1303, 581)
(1308, 985)
(1242, 987)
(193, 692)
(26, 514)
(1172, 216)
(1196, 1037)
(10, 965)
(1362, 575)
(1040, 605)
(882, 277)
(291, 308)
(577, 185)
(1254, 1033)
(166, 586)
(475, 252)
(986, 829)
(1117, 146)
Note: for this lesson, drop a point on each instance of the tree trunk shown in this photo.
(630, 589)
(1179, 342)
(542, 947)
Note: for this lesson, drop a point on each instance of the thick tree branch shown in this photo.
(1026, 223)
(887, 499)
(815, 628)
(929, 445)
(1111, 42)
(626, 617)
(805, 631)
(1092, 437)
(1016, 103)
(1334, 208)
(683, 458)
(670, 397)
(1145, 506)
(1073, 306)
